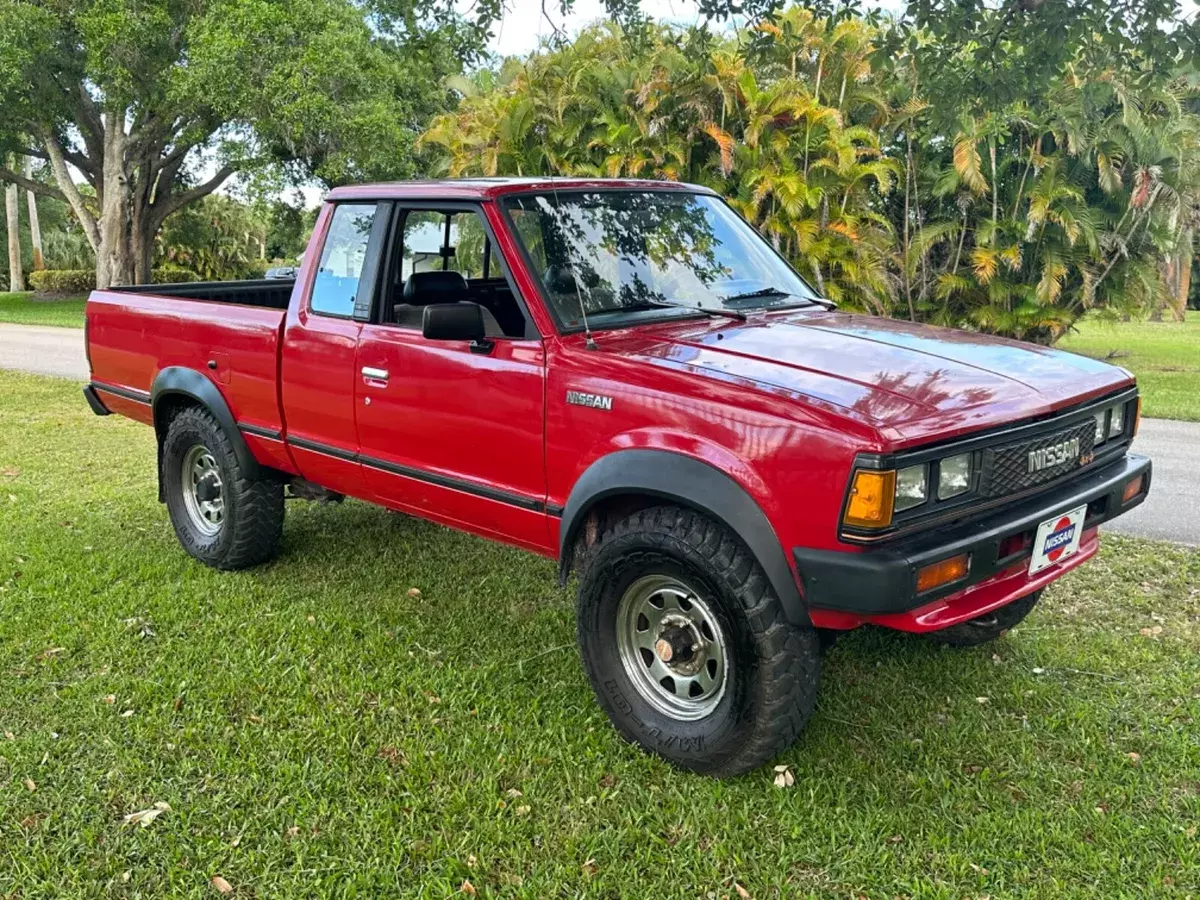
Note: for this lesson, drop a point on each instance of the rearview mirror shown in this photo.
(462, 321)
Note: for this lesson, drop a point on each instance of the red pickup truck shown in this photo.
(624, 376)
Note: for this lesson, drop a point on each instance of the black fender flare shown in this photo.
(185, 382)
(673, 477)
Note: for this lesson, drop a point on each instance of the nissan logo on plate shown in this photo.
(1054, 455)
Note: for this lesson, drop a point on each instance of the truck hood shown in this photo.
(911, 382)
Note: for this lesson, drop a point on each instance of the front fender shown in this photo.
(676, 478)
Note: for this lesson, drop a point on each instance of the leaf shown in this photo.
(1134, 758)
(784, 777)
(222, 886)
(982, 700)
(1151, 632)
(10, 472)
(415, 593)
(741, 891)
(969, 165)
(522, 810)
(590, 868)
(467, 888)
(30, 785)
(109, 699)
(145, 816)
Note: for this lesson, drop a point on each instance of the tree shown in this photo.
(16, 281)
(157, 103)
(35, 224)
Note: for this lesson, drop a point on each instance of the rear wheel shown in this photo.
(221, 516)
(989, 626)
(687, 646)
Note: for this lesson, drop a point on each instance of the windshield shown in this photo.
(615, 252)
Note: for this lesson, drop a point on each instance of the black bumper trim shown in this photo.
(97, 405)
(883, 580)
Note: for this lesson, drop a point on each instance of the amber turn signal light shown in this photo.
(942, 572)
(1132, 488)
(872, 497)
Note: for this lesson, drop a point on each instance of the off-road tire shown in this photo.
(253, 507)
(773, 666)
(989, 626)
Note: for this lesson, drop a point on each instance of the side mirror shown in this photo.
(460, 321)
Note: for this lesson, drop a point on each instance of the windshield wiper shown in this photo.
(777, 292)
(707, 310)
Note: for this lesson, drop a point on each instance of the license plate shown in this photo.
(1057, 539)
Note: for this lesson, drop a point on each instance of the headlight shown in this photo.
(1101, 430)
(954, 476)
(910, 487)
(1116, 421)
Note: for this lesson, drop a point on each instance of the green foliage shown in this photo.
(63, 281)
(218, 238)
(888, 187)
(80, 281)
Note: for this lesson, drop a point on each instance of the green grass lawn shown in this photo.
(318, 730)
(33, 310)
(1165, 357)
(30, 309)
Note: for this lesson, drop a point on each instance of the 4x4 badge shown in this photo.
(595, 401)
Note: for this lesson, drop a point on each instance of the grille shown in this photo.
(1006, 469)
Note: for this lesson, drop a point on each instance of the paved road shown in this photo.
(1171, 513)
(43, 350)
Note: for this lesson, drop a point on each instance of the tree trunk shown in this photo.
(1183, 275)
(16, 280)
(114, 262)
(35, 227)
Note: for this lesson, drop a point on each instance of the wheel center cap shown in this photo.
(207, 490)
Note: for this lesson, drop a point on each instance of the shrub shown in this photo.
(169, 274)
(80, 281)
(63, 281)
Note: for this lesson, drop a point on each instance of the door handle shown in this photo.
(373, 374)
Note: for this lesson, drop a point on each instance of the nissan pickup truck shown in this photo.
(625, 377)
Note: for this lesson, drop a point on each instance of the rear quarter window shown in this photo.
(342, 257)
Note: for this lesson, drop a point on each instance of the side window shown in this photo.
(342, 257)
(430, 247)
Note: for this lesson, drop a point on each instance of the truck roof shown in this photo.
(490, 188)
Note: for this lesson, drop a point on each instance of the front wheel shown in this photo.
(687, 646)
(221, 516)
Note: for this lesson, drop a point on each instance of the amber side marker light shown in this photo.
(942, 572)
(1132, 488)
(872, 496)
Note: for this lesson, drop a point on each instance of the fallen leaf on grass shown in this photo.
(52, 652)
(222, 886)
(9, 736)
(1151, 632)
(467, 888)
(127, 714)
(415, 593)
(471, 861)
(31, 822)
(432, 697)
(784, 777)
(10, 472)
(522, 810)
(311, 620)
(983, 700)
(513, 793)
(741, 891)
(146, 816)
(1135, 758)
(293, 831)
(110, 699)
(590, 868)
(30, 785)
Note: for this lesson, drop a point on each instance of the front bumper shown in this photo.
(843, 589)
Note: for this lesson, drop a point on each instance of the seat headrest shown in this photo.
(425, 288)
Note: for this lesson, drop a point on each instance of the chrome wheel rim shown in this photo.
(203, 490)
(672, 647)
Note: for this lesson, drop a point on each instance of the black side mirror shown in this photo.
(462, 321)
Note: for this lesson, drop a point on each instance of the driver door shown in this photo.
(448, 432)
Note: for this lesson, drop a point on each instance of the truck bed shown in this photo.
(270, 293)
(227, 330)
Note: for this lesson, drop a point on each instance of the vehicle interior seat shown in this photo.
(423, 289)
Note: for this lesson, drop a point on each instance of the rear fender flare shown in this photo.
(180, 381)
(675, 478)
